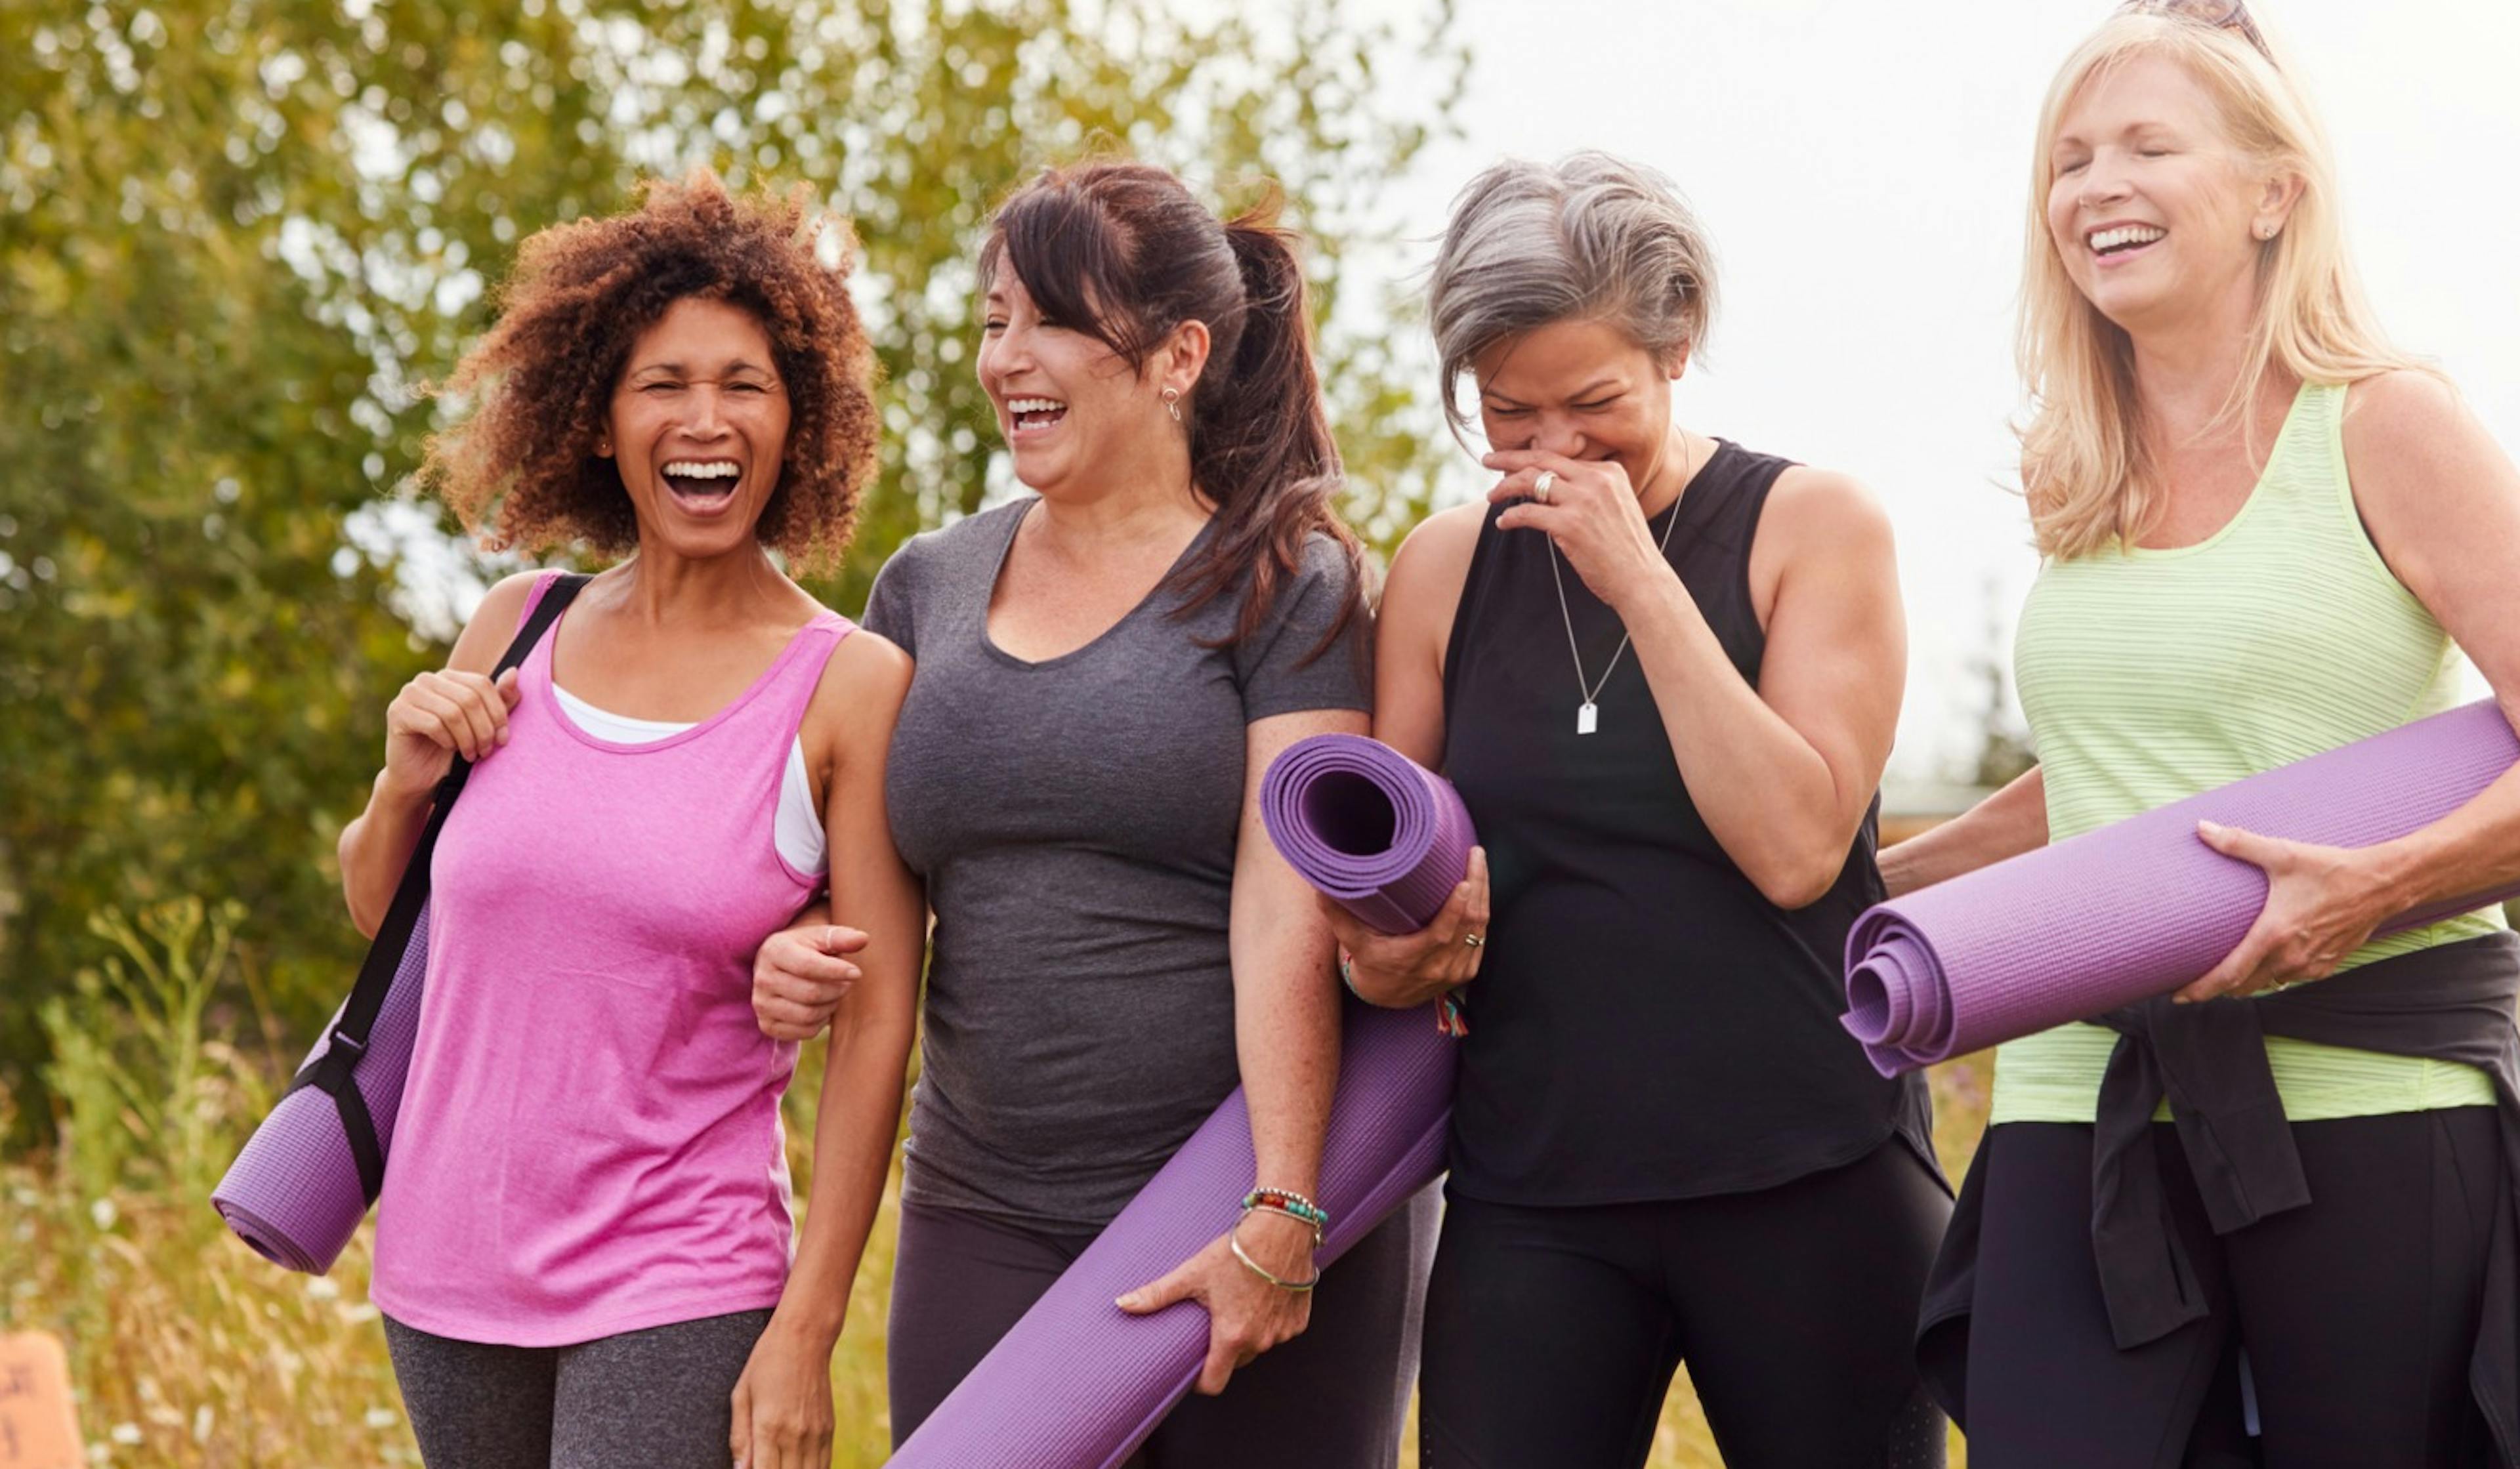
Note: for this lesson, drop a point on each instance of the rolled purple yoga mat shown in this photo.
(294, 1193)
(2143, 907)
(1078, 1382)
(1372, 828)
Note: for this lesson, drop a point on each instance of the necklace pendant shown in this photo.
(1588, 717)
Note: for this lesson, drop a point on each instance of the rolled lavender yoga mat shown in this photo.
(1078, 1382)
(1375, 830)
(299, 1190)
(294, 1193)
(2143, 907)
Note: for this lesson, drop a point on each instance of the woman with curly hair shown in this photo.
(584, 1241)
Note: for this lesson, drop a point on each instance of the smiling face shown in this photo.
(1066, 402)
(1579, 389)
(698, 427)
(2152, 208)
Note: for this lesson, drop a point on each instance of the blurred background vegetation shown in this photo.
(238, 236)
(236, 239)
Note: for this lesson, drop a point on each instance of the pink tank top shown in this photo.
(589, 1140)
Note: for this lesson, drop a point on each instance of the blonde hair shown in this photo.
(2083, 468)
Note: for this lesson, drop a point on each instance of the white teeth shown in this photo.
(2125, 234)
(714, 469)
(1034, 405)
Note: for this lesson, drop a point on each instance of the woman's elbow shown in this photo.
(1797, 879)
(344, 856)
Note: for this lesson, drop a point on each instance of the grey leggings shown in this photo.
(1331, 1398)
(654, 1398)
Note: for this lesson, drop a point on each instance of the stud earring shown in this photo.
(1172, 403)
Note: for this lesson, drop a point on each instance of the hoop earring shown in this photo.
(1172, 403)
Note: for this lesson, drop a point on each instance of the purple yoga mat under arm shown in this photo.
(1079, 1383)
(2143, 907)
(1384, 836)
(294, 1193)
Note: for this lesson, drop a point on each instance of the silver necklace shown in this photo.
(1588, 714)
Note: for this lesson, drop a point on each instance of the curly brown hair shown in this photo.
(542, 378)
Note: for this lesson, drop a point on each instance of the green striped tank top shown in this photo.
(2148, 676)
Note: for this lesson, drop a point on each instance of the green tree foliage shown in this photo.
(236, 235)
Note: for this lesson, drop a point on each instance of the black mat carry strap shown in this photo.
(331, 1072)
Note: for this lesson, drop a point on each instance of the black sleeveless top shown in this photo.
(1645, 1025)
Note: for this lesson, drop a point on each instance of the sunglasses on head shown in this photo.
(2221, 15)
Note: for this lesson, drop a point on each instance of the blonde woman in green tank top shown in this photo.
(2264, 534)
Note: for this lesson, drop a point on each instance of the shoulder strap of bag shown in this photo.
(331, 1072)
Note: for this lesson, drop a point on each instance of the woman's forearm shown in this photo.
(1286, 1039)
(854, 1130)
(2006, 823)
(1285, 997)
(1767, 795)
(2475, 849)
(375, 847)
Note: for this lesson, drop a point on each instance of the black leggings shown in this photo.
(2357, 1310)
(1551, 1334)
(1335, 1398)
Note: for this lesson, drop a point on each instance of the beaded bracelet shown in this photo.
(1287, 1202)
(1234, 1242)
(1286, 1214)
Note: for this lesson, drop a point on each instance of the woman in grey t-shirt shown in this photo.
(1104, 670)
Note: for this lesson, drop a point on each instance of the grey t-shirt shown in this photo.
(1075, 821)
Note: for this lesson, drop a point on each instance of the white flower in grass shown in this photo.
(125, 1434)
(202, 1420)
(322, 1288)
(382, 1417)
(104, 1213)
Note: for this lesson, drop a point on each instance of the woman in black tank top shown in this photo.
(1665, 1148)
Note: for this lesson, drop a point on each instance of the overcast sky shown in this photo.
(1863, 170)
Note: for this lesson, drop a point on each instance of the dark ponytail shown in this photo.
(1129, 239)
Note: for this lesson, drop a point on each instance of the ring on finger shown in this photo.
(1475, 940)
(1541, 487)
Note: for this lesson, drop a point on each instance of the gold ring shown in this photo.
(1541, 487)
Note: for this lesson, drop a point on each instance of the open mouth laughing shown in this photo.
(701, 486)
(1034, 415)
(2122, 242)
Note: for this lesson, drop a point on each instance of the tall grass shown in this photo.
(190, 1351)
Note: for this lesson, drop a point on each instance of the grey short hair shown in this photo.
(1589, 238)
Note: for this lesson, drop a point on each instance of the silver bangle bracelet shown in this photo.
(1234, 1242)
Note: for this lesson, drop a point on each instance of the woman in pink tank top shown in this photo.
(584, 1247)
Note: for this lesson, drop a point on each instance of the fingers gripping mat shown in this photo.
(1078, 1383)
(2143, 907)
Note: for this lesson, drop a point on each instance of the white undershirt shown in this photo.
(797, 832)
